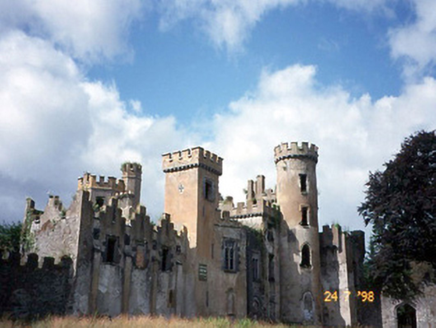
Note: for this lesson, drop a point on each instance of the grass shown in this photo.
(140, 322)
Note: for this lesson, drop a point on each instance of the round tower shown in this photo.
(297, 193)
(132, 175)
(297, 196)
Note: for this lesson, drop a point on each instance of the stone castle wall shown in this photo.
(33, 290)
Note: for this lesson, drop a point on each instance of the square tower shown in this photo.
(191, 193)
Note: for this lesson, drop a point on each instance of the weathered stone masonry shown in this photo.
(263, 258)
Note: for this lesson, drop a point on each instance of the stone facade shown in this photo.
(263, 258)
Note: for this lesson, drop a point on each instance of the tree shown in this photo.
(400, 203)
(10, 236)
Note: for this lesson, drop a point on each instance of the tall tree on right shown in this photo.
(400, 204)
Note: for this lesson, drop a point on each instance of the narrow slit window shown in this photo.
(255, 267)
(229, 256)
(166, 261)
(209, 192)
(303, 182)
(304, 216)
(110, 249)
(271, 267)
(305, 256)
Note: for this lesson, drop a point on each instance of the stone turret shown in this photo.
(297, 192)
(297, 197)
(132, 175)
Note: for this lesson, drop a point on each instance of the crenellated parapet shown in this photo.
(192, 158)
(294, 150)
(131, 169)
(90, 181)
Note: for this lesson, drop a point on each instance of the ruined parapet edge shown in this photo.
(131, 169)
(294, 150)
(192, 158)
(89, 181)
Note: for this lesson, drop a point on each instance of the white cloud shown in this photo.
(364, 5)
(88, 30)
(354, 135)
(226, 22)
(416, 42)
(56, 124)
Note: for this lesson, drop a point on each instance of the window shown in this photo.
(271, 267)
(99, 201)
(303, 182)
(255, 266)
(229, 255)
(304, 216)
(305, 257)
(208, 190)
(111, 247)
(166, 259)
(212, 253)
(308, 307)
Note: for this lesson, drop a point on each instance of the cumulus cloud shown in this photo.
(226, 22)
(355, 135)
(56, 125)
(415, 43)
(88, 30)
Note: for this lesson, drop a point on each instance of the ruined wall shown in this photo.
(341, 267)
(28, 291)
(423, 307)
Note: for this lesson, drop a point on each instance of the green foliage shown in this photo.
(400, 203)
(10, 237)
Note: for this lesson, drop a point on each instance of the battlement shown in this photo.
(131, 169)
(294, 150)
(89, 181)
(33, 262)
(192, 158)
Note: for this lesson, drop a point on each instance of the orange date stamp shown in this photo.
(363, 296)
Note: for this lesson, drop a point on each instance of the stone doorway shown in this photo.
(406, 316)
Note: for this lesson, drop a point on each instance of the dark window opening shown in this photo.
(229, 255)
(303, 182)
(271, 267)
(126, 240)
(99, 201)
(209, 193)
(406, 316)
(255, 266)
(305, 256)
(111, 244)
(96, 233)
(304, 216)
(165, 265)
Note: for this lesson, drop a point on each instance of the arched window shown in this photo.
(305, 256)
(308, 307)
(406, 316)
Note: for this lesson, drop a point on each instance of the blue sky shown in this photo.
(85, 86)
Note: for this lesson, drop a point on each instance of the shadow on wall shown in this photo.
(28, 291)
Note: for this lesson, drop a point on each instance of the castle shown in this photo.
(263, 258)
